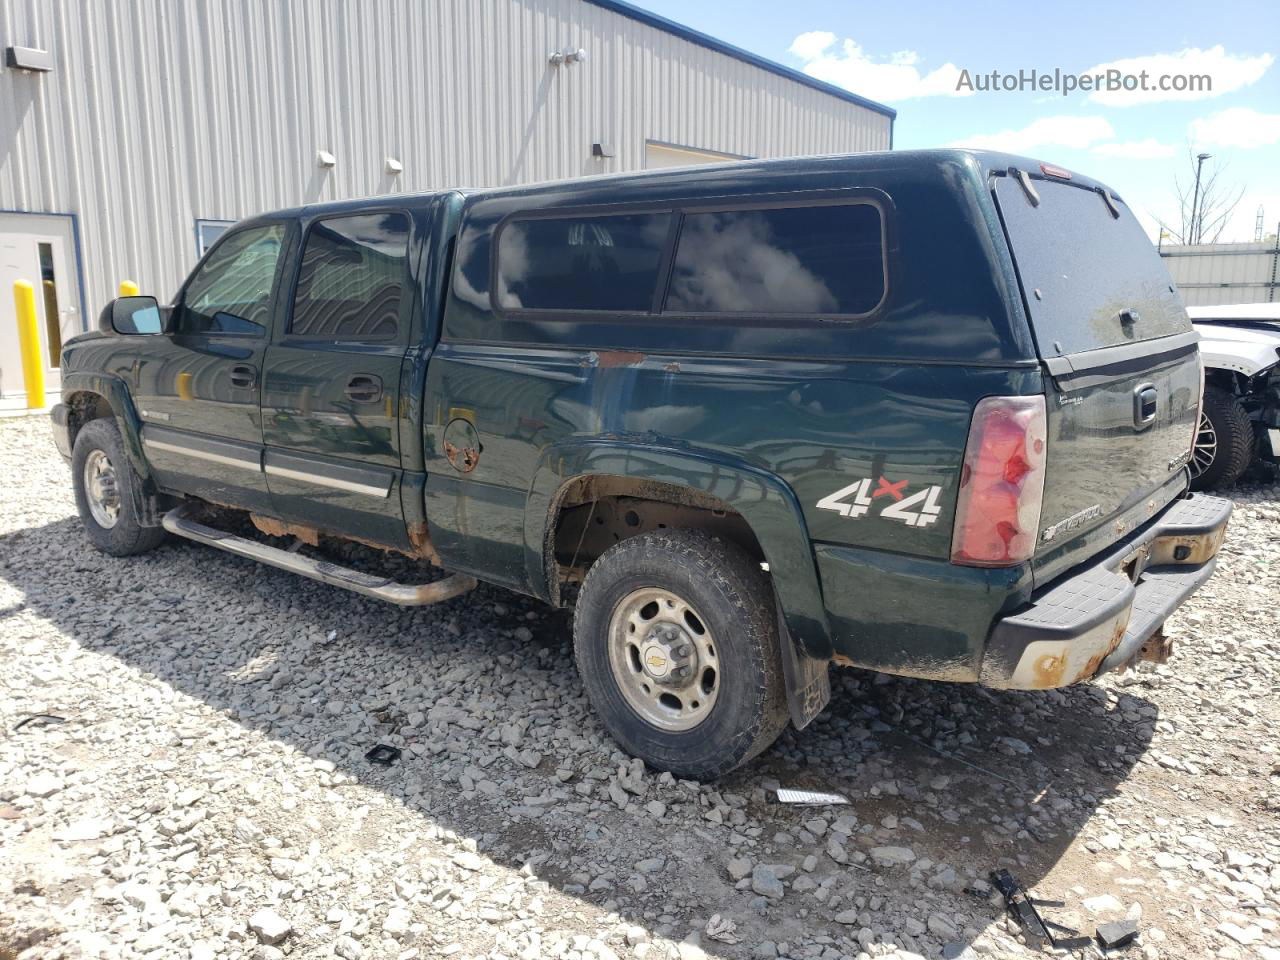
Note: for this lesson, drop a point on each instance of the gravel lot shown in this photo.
(205, 793)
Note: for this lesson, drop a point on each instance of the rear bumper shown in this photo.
(1098, 618)
(61, 430)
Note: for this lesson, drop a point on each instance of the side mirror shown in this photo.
(131, 316)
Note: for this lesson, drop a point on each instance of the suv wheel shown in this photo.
(676, 638)
(105, 486)
(1224, 444)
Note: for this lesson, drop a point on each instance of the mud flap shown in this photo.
(808, 684)
(148, 506)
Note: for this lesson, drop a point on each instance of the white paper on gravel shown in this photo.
(810, 798)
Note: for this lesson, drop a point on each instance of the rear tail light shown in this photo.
(1001, 483)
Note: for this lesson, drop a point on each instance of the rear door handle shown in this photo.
(243, 375)
(364, 388)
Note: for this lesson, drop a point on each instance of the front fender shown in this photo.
(115, 392)
(1242, 351)
(765, 502)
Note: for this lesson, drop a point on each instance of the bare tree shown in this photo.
(1202, 213)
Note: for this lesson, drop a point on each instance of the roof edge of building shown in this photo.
(659, 22)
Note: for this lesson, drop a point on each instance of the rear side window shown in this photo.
(824, 259)
(581, 263)
(352, 278)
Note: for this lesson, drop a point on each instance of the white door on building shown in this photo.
(41, 250)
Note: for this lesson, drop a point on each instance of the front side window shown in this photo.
(352, 278)
(581, 263)
(231, 291)
(825, 259)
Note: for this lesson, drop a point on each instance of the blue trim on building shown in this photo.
(632, 12)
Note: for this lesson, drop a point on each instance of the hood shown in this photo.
(1254, 332)
(1247, 349)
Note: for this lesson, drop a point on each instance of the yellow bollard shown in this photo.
(128, 288)
(182, 382)
(24, 298)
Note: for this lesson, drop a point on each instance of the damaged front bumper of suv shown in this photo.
(1101, 617)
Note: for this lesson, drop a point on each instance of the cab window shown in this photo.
(231, 291)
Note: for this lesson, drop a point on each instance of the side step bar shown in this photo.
(179, 523)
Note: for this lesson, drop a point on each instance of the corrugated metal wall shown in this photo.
(1209, 274)
(160, 112)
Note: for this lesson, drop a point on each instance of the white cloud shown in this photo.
(1062, 131)
(896, 77)
(1226, 72)
(811, 45)
(1236, 127)
(1146, 149)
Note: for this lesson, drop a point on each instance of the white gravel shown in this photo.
(205, 792)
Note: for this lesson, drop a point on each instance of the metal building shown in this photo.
(1209, 274)
(132, 134)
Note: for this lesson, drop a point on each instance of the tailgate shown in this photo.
(1122, 368)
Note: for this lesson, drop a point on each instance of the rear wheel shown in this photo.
(1224, 443)
(676, 639)
(106, 487)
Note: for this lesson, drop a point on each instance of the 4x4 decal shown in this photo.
(917, 510)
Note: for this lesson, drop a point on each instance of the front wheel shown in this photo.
(1224, 445)
(675, 635)
(106, 487)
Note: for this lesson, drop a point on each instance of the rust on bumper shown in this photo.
(1107, 615)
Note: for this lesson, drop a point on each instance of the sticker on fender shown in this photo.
(915, 510)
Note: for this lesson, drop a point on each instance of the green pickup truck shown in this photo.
(926, 413)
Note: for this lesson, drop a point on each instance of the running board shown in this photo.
(179, 523)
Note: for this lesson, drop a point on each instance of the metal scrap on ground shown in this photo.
(383, 754)
(811, 798)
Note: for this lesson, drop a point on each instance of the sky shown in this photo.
(915, 56)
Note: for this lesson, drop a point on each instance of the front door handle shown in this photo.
(364, 388)
(243, 375)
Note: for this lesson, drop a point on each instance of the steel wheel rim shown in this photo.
(101, 491)
(648, 633)
(1205, 447)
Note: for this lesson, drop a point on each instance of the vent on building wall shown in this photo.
(28, 58)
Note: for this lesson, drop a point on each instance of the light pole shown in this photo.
(1195, 198)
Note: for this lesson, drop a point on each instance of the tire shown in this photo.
(99, 441)
(743, 709)
(1224, 443)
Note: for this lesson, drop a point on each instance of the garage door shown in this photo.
(658, 156)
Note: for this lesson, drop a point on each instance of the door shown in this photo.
(661, 156)
(1121, 356)
(198, 386)
(331, 391)
(39, 249)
